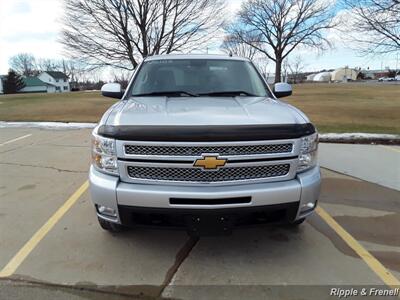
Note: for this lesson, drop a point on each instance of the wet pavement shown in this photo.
(78, 260)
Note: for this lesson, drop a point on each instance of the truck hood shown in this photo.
(161, 111)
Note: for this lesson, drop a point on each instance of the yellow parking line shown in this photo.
(370, 260)
(17, 260)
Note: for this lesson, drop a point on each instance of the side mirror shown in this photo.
(112, 90)
(282, 89)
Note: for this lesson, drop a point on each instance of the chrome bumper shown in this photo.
(108, 191)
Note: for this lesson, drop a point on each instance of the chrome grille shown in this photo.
(199, 150)
(199, 175)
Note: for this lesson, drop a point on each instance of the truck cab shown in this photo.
(201, 142)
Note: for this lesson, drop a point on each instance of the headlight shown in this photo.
(104, 155)
(308, 152)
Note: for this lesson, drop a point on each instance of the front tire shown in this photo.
(110, 226)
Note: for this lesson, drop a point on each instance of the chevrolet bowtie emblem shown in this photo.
(210, 162)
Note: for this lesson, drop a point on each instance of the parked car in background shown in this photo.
(385, 79)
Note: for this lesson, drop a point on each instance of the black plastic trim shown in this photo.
(207, 133)
(207, 221)
(184, 211)
(283, 94)
(219, 201)
(115, 95)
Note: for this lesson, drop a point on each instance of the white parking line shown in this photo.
(391, 148)
(16, 139)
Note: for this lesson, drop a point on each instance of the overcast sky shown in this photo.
(33, 26)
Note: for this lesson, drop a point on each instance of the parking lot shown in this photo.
(51, 244)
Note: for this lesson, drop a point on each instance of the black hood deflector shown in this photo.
(209, 133)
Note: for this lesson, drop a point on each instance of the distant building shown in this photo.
(311, 77)
(35, 85)
(57, 79)
(381, 73)
(370, 74)
(46, 82)
(322, 77)
(344, 74)
(338, 75)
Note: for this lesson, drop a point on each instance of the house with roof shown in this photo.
(57, 79)
(35, 85)
(46, 82)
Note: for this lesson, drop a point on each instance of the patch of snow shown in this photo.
(47, 125)
(358, 135)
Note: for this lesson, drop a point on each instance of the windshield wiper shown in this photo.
(228, 93)
(166, 93)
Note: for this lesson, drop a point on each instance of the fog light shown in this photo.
(308, 206)
(104, 210)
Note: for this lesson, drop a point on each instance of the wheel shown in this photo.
(297, 222)
(110, 226)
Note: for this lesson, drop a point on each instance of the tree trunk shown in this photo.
(278, 68)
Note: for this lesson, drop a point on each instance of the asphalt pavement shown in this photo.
(373, 163)
(59, 251)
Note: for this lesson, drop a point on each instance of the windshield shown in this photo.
(198, 77)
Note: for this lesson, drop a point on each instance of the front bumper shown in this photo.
(300, 194)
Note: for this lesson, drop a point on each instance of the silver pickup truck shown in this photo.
(201, 142)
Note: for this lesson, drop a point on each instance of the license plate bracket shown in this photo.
(209, 224)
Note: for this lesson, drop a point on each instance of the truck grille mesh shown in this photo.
(199, 150)
(199, 175)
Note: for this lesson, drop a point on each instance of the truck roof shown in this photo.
(195, 56)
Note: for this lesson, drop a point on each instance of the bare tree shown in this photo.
(23, 63)
(74, 69)
(122, 77)
(121, 32)
(48, 64)
(376, 25)
(262, 63)
(232, 45)
(277, 27)
(296, 67)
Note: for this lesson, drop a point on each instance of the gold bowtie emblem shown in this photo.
(210, 162)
